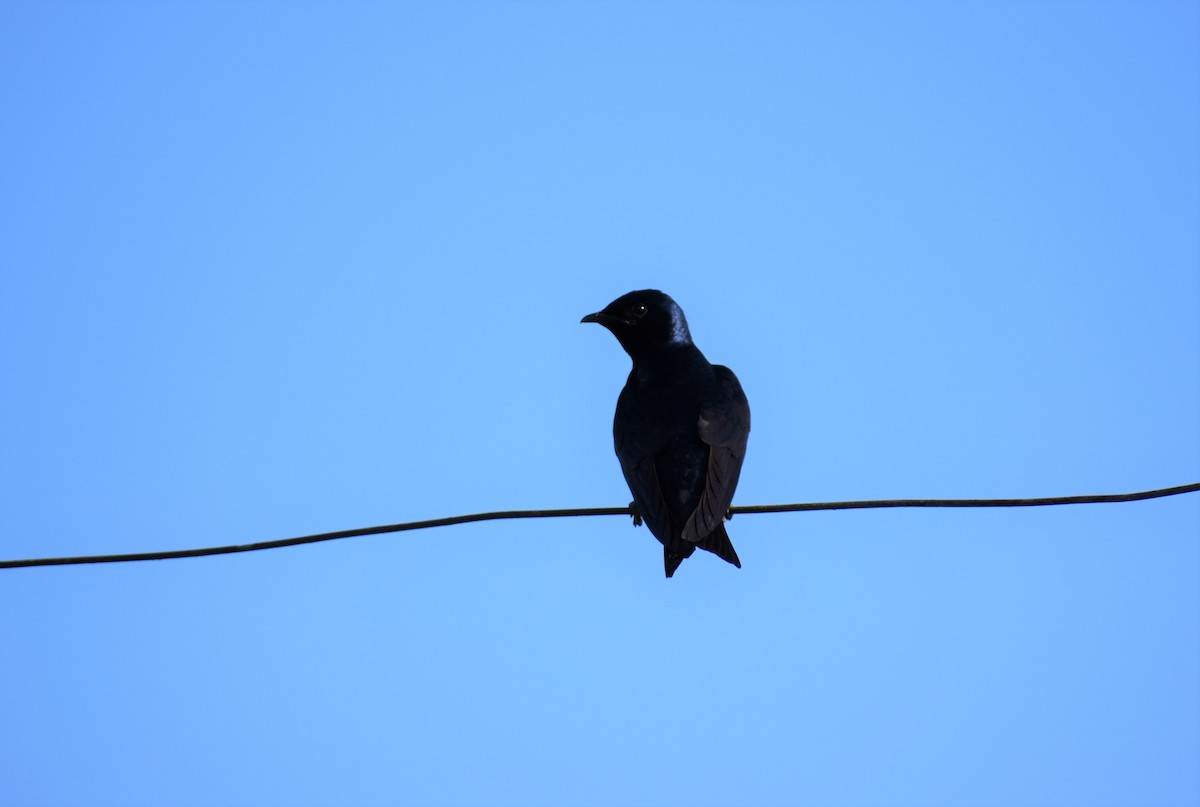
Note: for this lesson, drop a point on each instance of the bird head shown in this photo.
(644, 321)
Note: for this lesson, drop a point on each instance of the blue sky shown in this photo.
(271, 269)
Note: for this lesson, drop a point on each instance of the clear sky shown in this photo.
(277, 268)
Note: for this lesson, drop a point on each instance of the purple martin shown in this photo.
(680, 429)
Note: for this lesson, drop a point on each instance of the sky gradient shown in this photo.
(272, 269)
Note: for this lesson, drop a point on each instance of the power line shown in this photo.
(591, 511)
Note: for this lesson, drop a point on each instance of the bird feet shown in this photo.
(637, 517)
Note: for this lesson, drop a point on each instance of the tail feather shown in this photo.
(718, 543)
(671, 561)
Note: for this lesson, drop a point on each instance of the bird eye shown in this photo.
(638, 310)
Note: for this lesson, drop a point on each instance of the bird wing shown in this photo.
(636, 452)
(725, 426)
(642, 478)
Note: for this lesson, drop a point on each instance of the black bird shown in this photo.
(680, 429)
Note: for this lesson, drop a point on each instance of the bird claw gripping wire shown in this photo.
(637, 517)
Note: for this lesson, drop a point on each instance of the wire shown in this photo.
(591, 511)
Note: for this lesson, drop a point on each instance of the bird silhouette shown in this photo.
(680, 428)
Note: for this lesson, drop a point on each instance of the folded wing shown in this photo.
(725, 426)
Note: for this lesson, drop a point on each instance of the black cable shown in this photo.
(591, 511)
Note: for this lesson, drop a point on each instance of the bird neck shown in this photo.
(667, 360)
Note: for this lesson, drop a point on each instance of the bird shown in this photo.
(680, 428)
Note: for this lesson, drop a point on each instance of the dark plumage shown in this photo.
(680, 429)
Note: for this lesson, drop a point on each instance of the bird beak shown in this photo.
(606, 319)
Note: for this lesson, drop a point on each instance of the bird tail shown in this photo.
(718, 543)
(671, 561)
